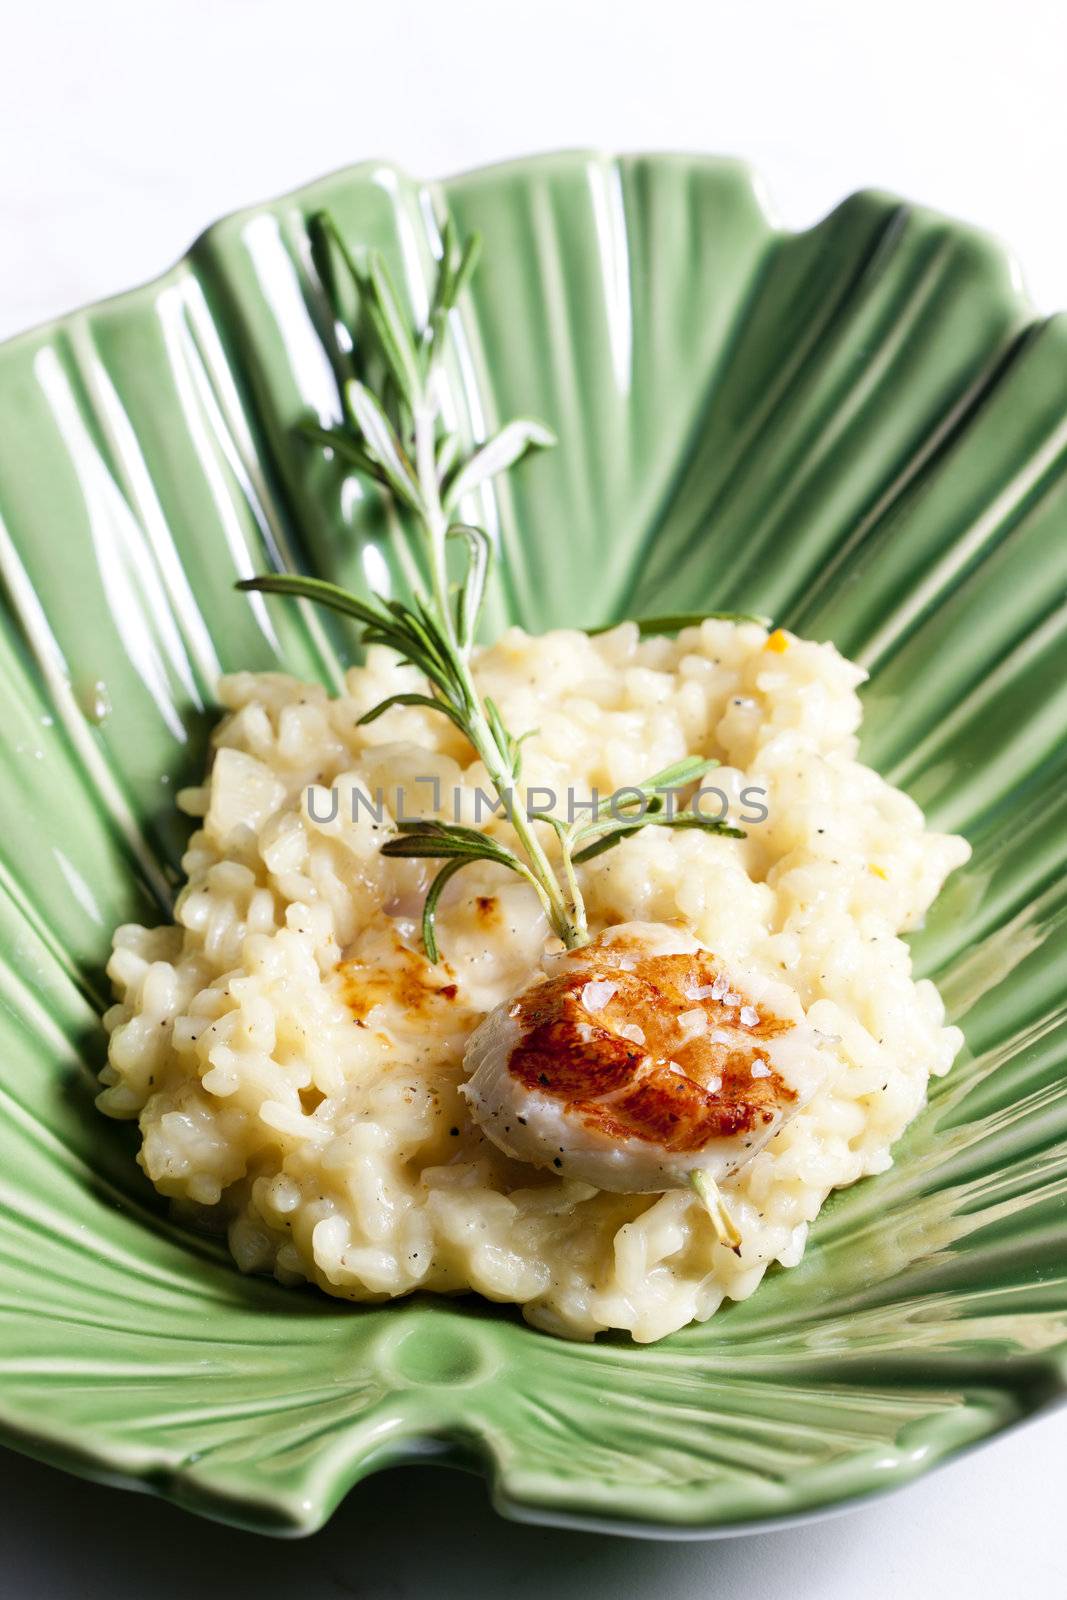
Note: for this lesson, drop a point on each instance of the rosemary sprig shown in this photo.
(393, 434)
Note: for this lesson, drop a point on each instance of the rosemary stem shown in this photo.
(434, 518)
(577, 901)
(497, 762)
(502, 777)
(721, 1220)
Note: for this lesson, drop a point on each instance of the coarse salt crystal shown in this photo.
(713, 1085)
(630, 1030)
(693, 1023)
(731, 999)
(760, 1069)
(749, 1016)
(719, 1036)
(596, 995)
(719, 988)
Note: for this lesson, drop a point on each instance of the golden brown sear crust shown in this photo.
(410, 983)
(669, 1083)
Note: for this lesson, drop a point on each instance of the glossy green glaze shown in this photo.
(861, 430)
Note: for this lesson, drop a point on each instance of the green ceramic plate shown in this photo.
(861, 430)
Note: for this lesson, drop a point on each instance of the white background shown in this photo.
(125, 127)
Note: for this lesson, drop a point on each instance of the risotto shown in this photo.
(295, 1061)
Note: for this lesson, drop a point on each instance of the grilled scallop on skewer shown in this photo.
(640, 1062)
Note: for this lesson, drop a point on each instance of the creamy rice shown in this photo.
(294, 1061)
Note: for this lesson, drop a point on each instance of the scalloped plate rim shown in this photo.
(984, 237)
(161, 1478)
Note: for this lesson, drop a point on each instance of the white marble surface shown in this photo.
(989, 1525)
(124, 128)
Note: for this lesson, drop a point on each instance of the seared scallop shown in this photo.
(641, 1062)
